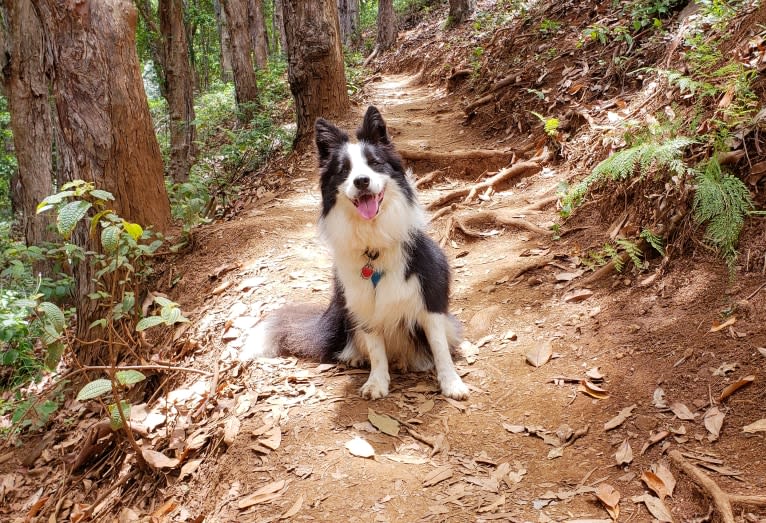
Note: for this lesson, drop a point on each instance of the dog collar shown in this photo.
(368, 272)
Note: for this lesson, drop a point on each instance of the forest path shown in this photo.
(526, 445)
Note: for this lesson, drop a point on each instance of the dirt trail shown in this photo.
(460, 461)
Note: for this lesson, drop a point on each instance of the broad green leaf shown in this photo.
(163, 302)
(98, 323)
(73, 184)
(129, 377)
(96, 219)
(49, 335)
(133, 229)
(110, 238)
(94, 389)
(101, 194)
(53, 199)
(53, 314)
(53, 356)
(115, 420)
(149, 322)
(69, 215)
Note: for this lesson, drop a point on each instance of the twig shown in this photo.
(112, 488)
(756, 291)
(722, 500)
(143, 367)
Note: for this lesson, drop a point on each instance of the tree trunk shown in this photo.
(104, 131)
(348, 14)
(278, 25)
(223, 31)
(257, 23)
(245, 86)
(315, 62)
(386, 25)
(179, 89)
(26, 87)
(459, 11)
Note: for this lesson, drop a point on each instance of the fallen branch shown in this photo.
(722, 500)
(460, 154)
(520, 169)
(372, 56)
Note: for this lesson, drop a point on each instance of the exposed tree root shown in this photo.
(508, 80)
(722, 500)
(532, 265)
(541, 203)
(427, 178)
(602, 272)
(498, 218)
(520, 169)
(372, 56)
(460, 154)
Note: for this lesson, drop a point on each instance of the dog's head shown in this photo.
(356, 176)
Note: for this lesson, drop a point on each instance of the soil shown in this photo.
(530, 444)
(639, 337)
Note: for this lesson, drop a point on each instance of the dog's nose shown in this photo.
(362, 182)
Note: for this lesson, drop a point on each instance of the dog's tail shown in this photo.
(306, 331)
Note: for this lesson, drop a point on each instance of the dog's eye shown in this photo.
(372, 162)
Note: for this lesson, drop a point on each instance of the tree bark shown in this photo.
(315, 62)
(225, 44)
(26, 87)
(348, 14)
(257, 25)
(459, 11)
(104, 131)
(386, 25)
(278, 25)
(245, 85)
(179, 88)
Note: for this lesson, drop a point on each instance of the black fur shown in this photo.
(426, 261)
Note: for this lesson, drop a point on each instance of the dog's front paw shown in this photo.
(375, 388)
(454, 388)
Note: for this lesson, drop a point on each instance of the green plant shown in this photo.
(666, 154)
(721, 202)
(653, 240)
(550, 125)
(548, 26)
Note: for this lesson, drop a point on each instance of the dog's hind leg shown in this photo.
(436, 328)
(377, 384)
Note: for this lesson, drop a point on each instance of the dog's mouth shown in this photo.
(368, 204)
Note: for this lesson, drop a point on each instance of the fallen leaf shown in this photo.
(655, 438)
(713, 422)
(724, 369)
(470, 351)
(272, 438)
(438, 475)
(734, 387)
(514, 429)
(717, 327)
(624, 453)
(266, 493)
(658, 398)
(758, 426)
(662, 472)
(620, 418)
(359, 447)
(610, 497)
(539, 355)
(497, 503)
(576, 296)
(294, 509)
(385, 424)
(556, 453)
(682, 411)
(189, 468)
(426, 406)
(655, 506)
(762, 350)
(158, 460)
(594, 391)
(406, 459)
(655, 483)
(230, 430)
(568, 276)
(595, 374)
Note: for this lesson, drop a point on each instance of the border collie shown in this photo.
(391, 288)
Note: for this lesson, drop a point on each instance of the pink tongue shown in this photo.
(368, 207)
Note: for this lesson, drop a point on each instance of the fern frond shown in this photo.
(632, 250)
(623, 164)
(653, 240)
(722, 201)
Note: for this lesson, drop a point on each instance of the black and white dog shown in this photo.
(391, 290)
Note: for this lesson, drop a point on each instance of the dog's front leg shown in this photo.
(377, 384)
(434, 325)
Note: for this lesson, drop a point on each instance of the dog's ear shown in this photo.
(328, 138)
(373, 129)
